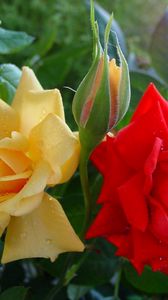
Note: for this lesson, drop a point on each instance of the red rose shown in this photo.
(134, 196)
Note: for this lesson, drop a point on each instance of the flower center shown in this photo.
(15, 170)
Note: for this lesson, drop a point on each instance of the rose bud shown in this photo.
(103, 96)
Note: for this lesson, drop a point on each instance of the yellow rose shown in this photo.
(37, 149)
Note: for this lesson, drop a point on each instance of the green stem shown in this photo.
(85, 187)
(117, 284)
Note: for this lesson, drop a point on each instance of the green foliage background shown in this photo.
(62, 35)
(60, 54)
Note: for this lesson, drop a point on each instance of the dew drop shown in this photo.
(48, 241)
(43, 111)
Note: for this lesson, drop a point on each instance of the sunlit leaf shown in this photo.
(9, 79)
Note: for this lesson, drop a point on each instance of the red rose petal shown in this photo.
(150, 165)
(150, 97)
(159, 221)
(163, 157)
(135, 142)
(110, 220)
(160, 183)
(135, 167)
(116, 239)
(125, 247)
(133, 202)
(147, 248)
(99, 157)
(113, 176)
(160, 264)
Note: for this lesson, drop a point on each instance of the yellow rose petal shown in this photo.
(70, 165)
(5, 169)
(6, 197)
(53, 141)
(16, 160)
(4, 221)
(28, 204)
(16, 142)
(27, 82)
(55, 177)
(114, 76)
(13, 183)
(34, 186)
(37, 105)
(45, 232)
(9, 120)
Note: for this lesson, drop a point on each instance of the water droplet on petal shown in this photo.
(48, 241)
(43, 114)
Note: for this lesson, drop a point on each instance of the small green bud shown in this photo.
(103, 96)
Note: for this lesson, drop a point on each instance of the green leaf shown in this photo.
(140, 82)
(13, 41)
(54, 69)
(45, 42)
(75, 292)
(100, 265)
(17, 292)
(9, 79)
(158, 47)
(148, 281)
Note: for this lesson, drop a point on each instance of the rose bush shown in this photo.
(134, 196)
(37, 149)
